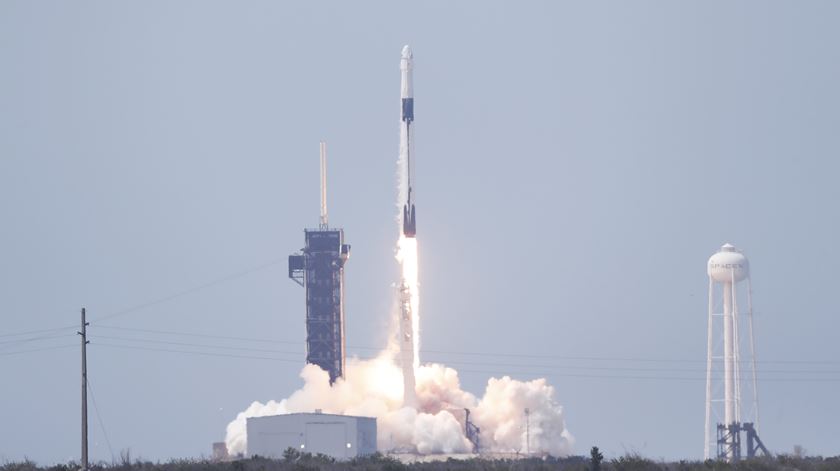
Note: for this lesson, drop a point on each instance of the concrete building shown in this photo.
(339, 436)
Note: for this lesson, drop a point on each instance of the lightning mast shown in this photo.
(324, 224)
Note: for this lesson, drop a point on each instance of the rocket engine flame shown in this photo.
(407, 257)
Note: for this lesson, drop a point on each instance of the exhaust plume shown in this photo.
(374, 388)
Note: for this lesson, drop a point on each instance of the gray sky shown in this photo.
(577, 163)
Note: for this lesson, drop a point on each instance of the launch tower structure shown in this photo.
(319, 268)
(727, 269)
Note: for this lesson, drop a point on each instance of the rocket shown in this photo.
(409, 217)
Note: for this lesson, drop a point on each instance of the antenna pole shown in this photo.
(83, 334)
(324, 222)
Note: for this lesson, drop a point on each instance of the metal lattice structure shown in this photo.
(320, 270)
(729, 441)
(472, 432)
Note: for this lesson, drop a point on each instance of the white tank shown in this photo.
(727, 264)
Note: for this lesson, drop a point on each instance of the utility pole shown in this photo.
(83, 333)
(527, 431)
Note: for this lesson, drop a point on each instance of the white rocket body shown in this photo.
(409, 218)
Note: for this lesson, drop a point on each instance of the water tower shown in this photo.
(729, 287)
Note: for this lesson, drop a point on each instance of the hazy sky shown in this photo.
(577, 163)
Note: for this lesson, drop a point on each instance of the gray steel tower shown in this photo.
(319, 268)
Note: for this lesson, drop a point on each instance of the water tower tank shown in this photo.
(728, 265)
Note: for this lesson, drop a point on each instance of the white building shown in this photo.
(338, 436)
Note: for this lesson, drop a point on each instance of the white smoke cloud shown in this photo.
(374, 388)
(500, 415)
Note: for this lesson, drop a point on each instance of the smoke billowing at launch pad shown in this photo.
(419, 408)
(436, 425)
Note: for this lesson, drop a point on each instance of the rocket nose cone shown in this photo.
(406, 52)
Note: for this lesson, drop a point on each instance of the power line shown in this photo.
(209, 284)
(190, 334)
(655, 378)
(214, 354)
(595, 358)
(200, 345)
(450, 352)
(101, 424)
(33, 339)
(271, 263)
(491, 372)
(450, 361)
(369, 348)
(503, 368)
(36, 350)
(486, 355)
(39, 331)
(170, 297)
(242, 273)
(614, 368)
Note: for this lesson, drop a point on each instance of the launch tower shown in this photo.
(319, 268)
